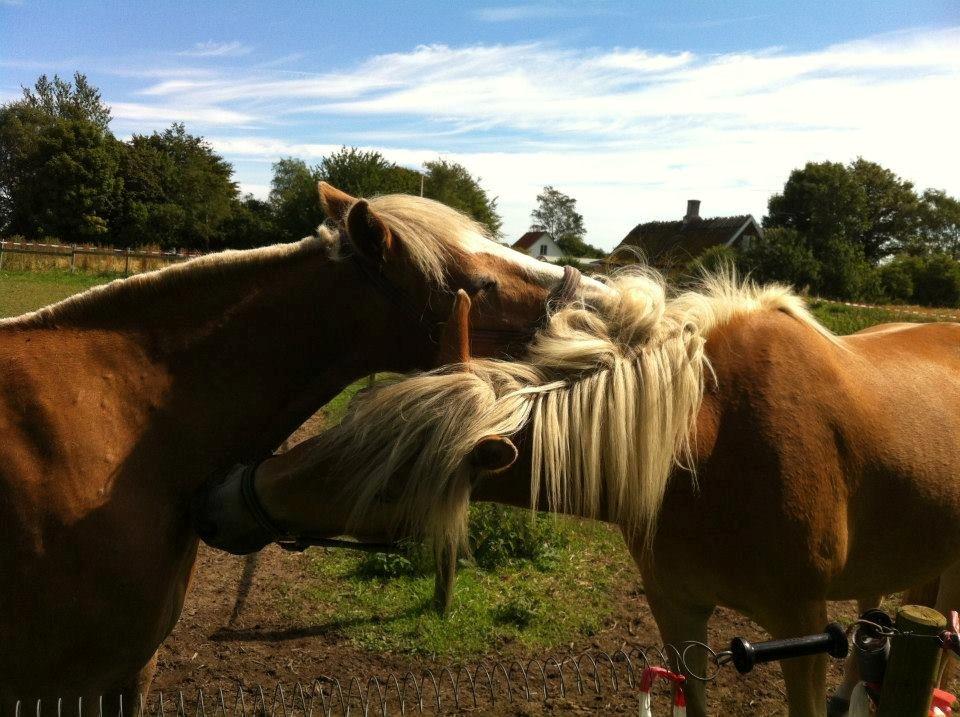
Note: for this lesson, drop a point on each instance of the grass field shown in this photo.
(524, 568)
(22, 291)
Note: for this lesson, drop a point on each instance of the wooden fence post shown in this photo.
(126, 264)
(2, 245)
(73, 258)
(914, 663)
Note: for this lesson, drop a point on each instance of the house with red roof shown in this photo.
(539, 244)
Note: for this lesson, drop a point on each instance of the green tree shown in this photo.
(451, 184)
(861, 203)
(251, 223)
(58, 162)
(62, 100)
(178, 191)
(366, 174)
(844, 271)
(939, 225)
(294, 199)
(557, 213)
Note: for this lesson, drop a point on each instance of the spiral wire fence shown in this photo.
(484, 685)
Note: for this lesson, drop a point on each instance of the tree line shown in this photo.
(852, 231)
(63, 174)
(856, 231)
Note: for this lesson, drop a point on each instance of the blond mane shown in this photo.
(609, 394)
(431, 233)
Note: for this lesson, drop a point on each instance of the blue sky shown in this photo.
(632, 108)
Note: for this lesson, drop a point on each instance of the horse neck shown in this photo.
(227, 361)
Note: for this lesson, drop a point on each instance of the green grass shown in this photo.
(537, 603)
(842, 319)
(23, 291)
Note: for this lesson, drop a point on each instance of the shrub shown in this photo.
(500, 536)
(897, 278)
(411, 560)
(782, 255)
(714, 260)
(932, 280)
(844, 271)
(939, 281)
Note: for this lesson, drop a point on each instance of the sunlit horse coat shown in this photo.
(753, 459)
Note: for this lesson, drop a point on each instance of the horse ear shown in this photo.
(368, 231)
(455, 339)
(334, 202)
(494, 454)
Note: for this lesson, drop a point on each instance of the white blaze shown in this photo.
(545, 273)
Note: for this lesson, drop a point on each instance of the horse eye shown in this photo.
(481, 284)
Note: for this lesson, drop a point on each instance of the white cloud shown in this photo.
(134, 112)
(533, 11)
(630, 133)
(217, 49)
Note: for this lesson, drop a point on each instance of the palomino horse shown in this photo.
(752, 459)
(119, 403)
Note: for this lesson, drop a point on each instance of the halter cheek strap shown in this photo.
(564, 294)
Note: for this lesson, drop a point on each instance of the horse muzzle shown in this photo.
(221, 519)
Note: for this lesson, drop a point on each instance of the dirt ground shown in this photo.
(262, 647)
(208, 650)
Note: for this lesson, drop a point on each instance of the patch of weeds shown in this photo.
(412, 560)
(501, 535)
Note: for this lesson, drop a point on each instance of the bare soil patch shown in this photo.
(264, 647)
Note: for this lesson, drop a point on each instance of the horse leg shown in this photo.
(128, 692)
(839, 703)
(925, 594)
(948, 598)
(679, 622)
(805, 677)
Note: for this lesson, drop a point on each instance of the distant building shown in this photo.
(669, 245)
(539, 244)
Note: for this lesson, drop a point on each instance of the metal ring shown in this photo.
(714, 657)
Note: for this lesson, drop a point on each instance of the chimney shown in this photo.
(693, 210)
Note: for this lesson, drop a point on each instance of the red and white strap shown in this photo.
(648, 677)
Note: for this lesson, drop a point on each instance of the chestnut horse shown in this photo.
(117, 404)
(752, 459)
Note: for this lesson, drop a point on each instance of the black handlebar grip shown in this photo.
(832, 641)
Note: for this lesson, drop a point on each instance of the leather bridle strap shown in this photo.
(286, 540)
(375, 276)
(564, 294)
